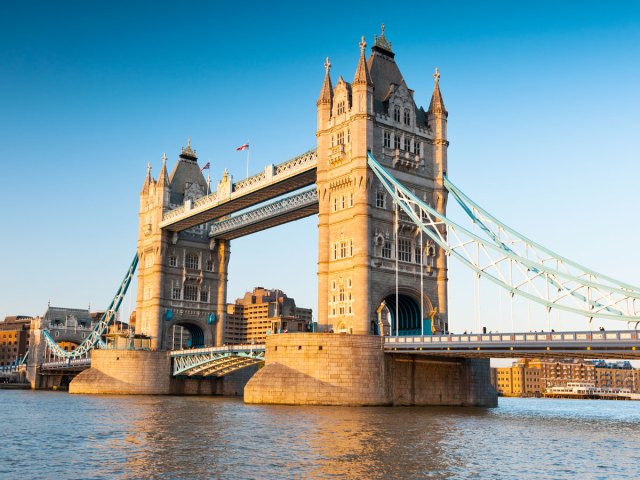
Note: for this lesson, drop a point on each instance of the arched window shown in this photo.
(192, 261)
(396, 113)
(407, 117)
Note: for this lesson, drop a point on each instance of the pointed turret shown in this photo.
(148, 180)
(362, 76)
(437, 104)
(163, 178)
(326, 93)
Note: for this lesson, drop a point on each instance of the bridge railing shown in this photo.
(226, 348)
(78, 362)
(518, 338)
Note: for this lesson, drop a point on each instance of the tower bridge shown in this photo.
(378, 182)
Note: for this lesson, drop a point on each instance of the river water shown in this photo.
(54, 435)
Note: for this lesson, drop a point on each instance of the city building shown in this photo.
(262, 312)
(68, 326)
(532, 377)
(14, 338)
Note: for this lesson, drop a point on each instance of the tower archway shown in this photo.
(411, 318)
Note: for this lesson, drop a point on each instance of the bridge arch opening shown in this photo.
(185, 335)
(408, 311)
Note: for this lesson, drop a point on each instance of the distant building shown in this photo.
(14, 338)
(531, 377)
(262, 312)
(69, 326)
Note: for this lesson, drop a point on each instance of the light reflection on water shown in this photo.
(56, 435)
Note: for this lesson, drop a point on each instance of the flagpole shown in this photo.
(248, 158)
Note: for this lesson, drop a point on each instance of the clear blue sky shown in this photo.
(543, 103)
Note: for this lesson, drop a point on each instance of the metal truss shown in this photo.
(16, 365)
(216, 361)
(258, 215)
(95, 337)
(542, 282)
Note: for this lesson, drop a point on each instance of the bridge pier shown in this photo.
(333, 369)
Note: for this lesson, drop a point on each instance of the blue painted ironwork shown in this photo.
(550, 286)
(95, 337)
(216, 361)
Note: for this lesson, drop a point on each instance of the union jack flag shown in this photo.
(243, 147)
(207, 166)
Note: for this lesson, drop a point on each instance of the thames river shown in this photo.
(53, 435)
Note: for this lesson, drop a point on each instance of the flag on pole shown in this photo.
(243, 147)
(207, 166)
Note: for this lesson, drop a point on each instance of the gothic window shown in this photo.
(386, 249)
(380, 199)
(192, 261)
(351, 248)
(404, 250)
(386, 138)
(173, 261)
(175, 293)
(340, 138)
(341, 107)
(349, 283)
(418, 254)
(343, 203)
(341, 294)
(335, 251)
(351, 200)
(407, 144)
(335, 204)
(343, 249)
(396, 113)
(407, 117)
(348, 136)
(416, 148)
(396, 141)
(333, 285)
(191, 293)
(204, 296)
(209, 265)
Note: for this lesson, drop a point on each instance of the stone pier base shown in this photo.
(139, 372)
(126, 372)
(334, 369)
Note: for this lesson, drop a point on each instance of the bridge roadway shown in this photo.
(272, 182)
(613, 344)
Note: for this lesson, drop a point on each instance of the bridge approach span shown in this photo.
(613, 344)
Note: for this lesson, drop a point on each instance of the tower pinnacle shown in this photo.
(362, 72)
(437, 103)
(326, 93)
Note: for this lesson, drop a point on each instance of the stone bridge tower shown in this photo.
(182, 277)
(359, 250)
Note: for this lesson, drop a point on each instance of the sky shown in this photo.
(543, 104)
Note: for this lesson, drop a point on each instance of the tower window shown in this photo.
(386, 138)
(351, 199)
(341, 107)
(407, 144)
(416, 147)
(396, 141)
(335, 204)
(340, 138)
(204, 296)
(407, 117)
(210, 265)
(175, 293)
(192, 261)
(396, 113)
(348, 136)
(380, 199)
(173, 261)
(386, 249)
(343, 201)
(404, 250)
(418, 254)
(191, 293)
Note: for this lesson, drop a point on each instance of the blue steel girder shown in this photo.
(215, 363)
